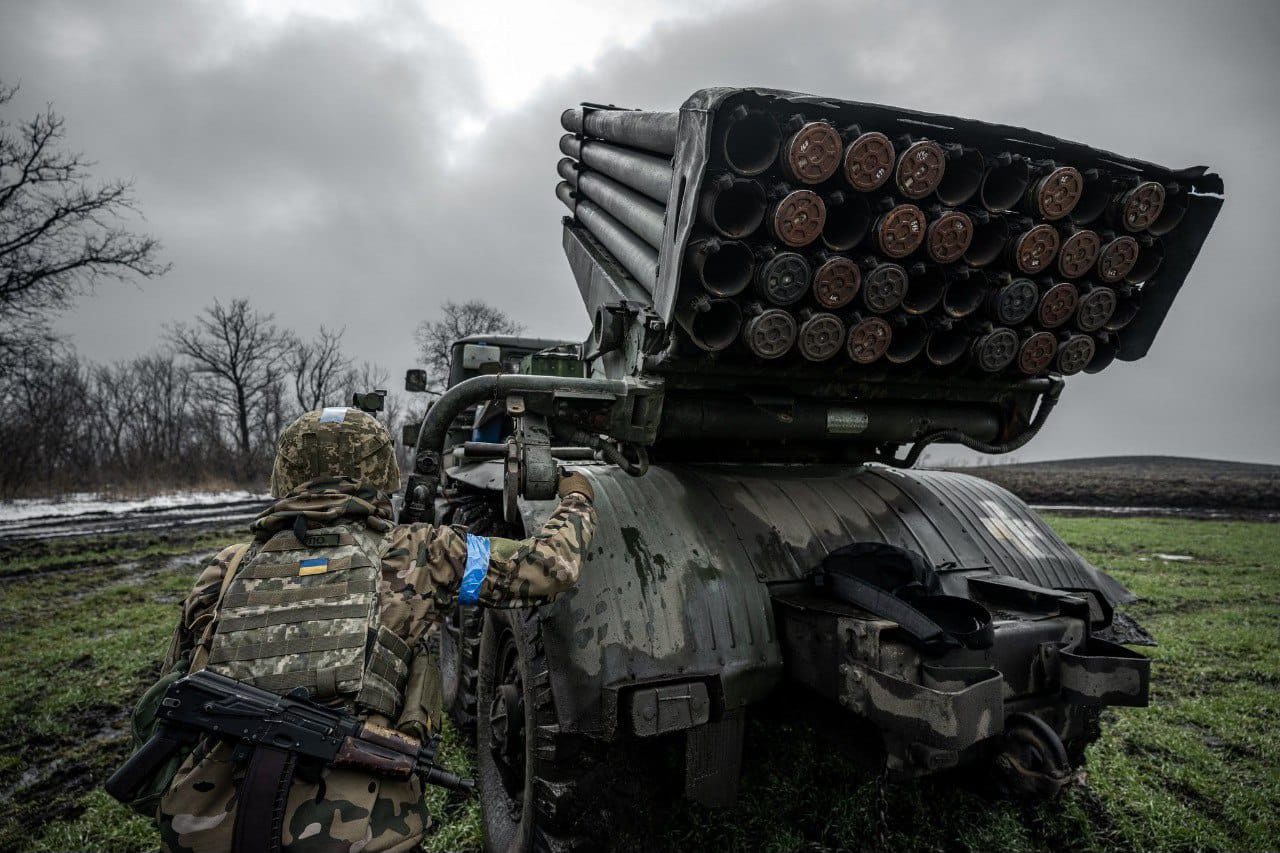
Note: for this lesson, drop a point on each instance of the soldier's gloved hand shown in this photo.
(574, 482)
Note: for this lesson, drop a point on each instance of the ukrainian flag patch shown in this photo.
(313, 566)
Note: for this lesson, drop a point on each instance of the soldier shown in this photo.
(332, 596)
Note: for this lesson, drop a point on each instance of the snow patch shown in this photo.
(91, 503)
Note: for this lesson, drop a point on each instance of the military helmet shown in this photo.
(335, 442)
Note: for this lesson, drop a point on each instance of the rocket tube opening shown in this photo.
(963, 175)
(964, 295)
(908, 341)
(1093, 199)
(750, 142)
(988, 241)
(1125, 312)
(1005, 183)
(924, 290)
(847, 222)
(1176, 202)
(734, 207)
(1150, 257)
(1105, 350)
(712, 324)
(724, 267)
(946, 346)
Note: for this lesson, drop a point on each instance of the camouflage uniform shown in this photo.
(422, 567)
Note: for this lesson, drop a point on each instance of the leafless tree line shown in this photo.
(203, 408)
(206, 406)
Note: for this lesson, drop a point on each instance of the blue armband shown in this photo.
(478, 548)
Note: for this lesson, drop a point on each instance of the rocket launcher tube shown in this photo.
(642, 215)
(645, 173)
(712, 324)
(638, 257)
(652, 131)
(1005, 182)
(723, 267)
(748, 140)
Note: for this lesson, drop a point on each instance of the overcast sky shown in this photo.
(354, 164)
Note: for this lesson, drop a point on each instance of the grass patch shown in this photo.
(1196, 771)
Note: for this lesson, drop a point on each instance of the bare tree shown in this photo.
(60, 234)
(244, 352)
(458, 320)
(166, 394)
(320, 369)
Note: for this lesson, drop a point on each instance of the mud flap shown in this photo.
(1104, 673)
(955, 708)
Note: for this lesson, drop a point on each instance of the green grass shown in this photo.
(1198, 770)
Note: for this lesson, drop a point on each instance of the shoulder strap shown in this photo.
(201, 655)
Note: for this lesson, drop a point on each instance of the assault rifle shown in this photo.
(206, 703)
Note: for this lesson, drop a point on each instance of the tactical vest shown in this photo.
(308, 614)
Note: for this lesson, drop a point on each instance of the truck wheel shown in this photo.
(539, 789)
(459, 656)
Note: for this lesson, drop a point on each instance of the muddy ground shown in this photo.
(83, 622)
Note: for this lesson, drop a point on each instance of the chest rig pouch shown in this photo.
(306, 613)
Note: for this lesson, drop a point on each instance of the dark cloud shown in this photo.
(313, 168)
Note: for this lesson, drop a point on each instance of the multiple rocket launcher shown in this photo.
(856, 245)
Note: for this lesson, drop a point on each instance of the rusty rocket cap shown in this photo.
(920, 169)
(1117, 258)
(1036, 353)
(1079, 253)
(901, 231)
(868, 161)
(948, 237)
(1056, 194)
(868, 340)
(335, 442)
(1141, 206)
(1034, 249)
(1057, 303)
(812, 154)
(836, 282)
(797, 218)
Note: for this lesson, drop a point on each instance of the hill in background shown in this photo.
(1167, 481)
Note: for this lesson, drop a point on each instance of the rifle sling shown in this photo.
(264, 793)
